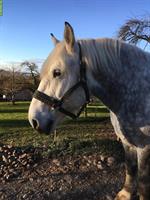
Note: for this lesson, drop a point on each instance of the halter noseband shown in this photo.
(57, 103)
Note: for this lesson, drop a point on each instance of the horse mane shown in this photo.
(104, 53)
(107, 56)
(112, 56)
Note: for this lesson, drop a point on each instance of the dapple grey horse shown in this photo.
(119, 75)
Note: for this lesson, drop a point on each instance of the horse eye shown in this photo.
(56, 73)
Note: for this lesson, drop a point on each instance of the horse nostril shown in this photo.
(35, 124)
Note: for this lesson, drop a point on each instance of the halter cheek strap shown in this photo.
(58, 103)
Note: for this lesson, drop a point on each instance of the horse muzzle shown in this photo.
(42, 129)
(41, 124)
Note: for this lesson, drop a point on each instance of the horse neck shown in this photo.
(103, 69)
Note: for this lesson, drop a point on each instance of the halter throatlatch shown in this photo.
(58, 103)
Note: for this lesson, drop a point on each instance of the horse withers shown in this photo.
(119, 75)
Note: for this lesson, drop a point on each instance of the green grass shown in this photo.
(14, 125)
(79, 136)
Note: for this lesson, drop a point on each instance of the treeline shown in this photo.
(14, 79)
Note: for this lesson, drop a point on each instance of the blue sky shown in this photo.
(26, 25)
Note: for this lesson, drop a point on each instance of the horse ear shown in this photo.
(54, 39)
(69, 37)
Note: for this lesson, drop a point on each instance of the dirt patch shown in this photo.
(82, 177)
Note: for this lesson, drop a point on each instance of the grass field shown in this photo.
(84, 134)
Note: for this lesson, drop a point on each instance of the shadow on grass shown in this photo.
(13, 123)
(106, 147)
(14, 111)
(21, 123)
(85, 120)
(97, 110)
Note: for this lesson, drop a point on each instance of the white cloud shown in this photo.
(6, 64)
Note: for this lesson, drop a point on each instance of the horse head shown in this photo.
(62, 90)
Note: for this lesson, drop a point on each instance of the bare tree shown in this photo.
(32, 69)
(136, 30)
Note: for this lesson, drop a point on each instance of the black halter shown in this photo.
(57, 103)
